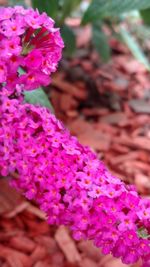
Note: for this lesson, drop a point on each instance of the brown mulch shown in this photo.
(3, 2)
(107, 106)
(26, 240)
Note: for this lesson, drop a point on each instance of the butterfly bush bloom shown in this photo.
(28, 40)
(69, 182)
(65, 178)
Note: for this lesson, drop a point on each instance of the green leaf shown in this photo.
(69, 40)
(105, 8)
(143, 233)
(39, 97)
(21, 71)
(67, 7)
(145, 14)
(48, 6)
(17, 2)
(134, 47)
(100, 41)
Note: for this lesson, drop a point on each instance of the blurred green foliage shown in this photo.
(16, 2)
(38, 97)
(59, 10)
(99, 9)
(145, 14)
(98, 14)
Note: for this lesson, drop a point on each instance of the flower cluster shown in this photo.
(49, 165)
(30, 48)
(70, 184)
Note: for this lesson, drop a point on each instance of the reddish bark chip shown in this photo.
(88, 249)
(48, 243)
(38, 254)
(88, 263)
(14, 258)
(67, 245)
(22, 243)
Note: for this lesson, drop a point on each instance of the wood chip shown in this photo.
(36, 211)
(9, 198)
(96, 140)
(118, 118)
(140, 106)
(137, 142)
(22, 243)
(89, 249)
(38, 254)
(69, 88)
(48, 243)
(87, 262)
(14, 258)
(20, 208)
(67, 245)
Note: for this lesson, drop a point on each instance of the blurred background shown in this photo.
(101, 92)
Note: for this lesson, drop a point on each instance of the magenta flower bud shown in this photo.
(28, 40)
